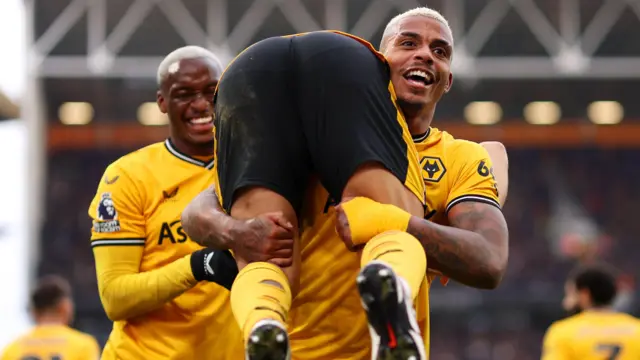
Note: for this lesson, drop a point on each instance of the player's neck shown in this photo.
(600, 309)
(50, 320)
(417, 115)
(419, 121)
(205, 149)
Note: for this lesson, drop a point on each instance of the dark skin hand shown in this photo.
(472, 251)
(266, 238)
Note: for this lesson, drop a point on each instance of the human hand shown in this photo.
(265, 238)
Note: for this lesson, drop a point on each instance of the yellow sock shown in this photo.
(402, 252)
(261, 291)
(367, 218)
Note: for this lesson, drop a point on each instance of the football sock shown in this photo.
(402, 252)
(261, 291)
(368, 218)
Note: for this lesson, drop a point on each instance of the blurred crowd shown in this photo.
(564, 206)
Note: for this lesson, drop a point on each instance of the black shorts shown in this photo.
(317, 103)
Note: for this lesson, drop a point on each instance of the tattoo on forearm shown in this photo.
(200, 228)
(461, 250)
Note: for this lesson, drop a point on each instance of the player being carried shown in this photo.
(594, 330)
(320, 104)
(161, 289)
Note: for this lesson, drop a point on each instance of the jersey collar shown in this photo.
(421, 137)
(184, 157)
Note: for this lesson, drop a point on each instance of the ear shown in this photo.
(162, 104)
(449, 83)
(584, 299)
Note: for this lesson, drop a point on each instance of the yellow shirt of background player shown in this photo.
(53, 342)
(327, 320)
(136, 213)
(593, 335)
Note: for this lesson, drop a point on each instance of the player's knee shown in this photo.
(375, 181)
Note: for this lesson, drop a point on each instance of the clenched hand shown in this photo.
(266, 238)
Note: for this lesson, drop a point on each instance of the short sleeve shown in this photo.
(475, 180)
(117, 211)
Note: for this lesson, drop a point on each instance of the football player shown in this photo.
(52, 338)
(165, 293)
(594, 330)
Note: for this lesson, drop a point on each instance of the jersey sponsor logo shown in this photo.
(112, 180)
(432, 168)
(107, 215)
(172, 232)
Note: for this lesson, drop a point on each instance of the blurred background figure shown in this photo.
(554, 80)
(594, 330)
(52, 338)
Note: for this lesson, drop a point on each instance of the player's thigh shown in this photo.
(358, 139)
(261, 155)
(262, 161)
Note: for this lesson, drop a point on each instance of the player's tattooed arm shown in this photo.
(205, 221)
(473, 250)
(268, 237)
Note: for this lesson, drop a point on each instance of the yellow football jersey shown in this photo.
(327, 320)
(138, 204)
(593, 335)
(53, 342)
(454, 171)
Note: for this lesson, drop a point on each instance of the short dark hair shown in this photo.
(48, 293)
(599, 280)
